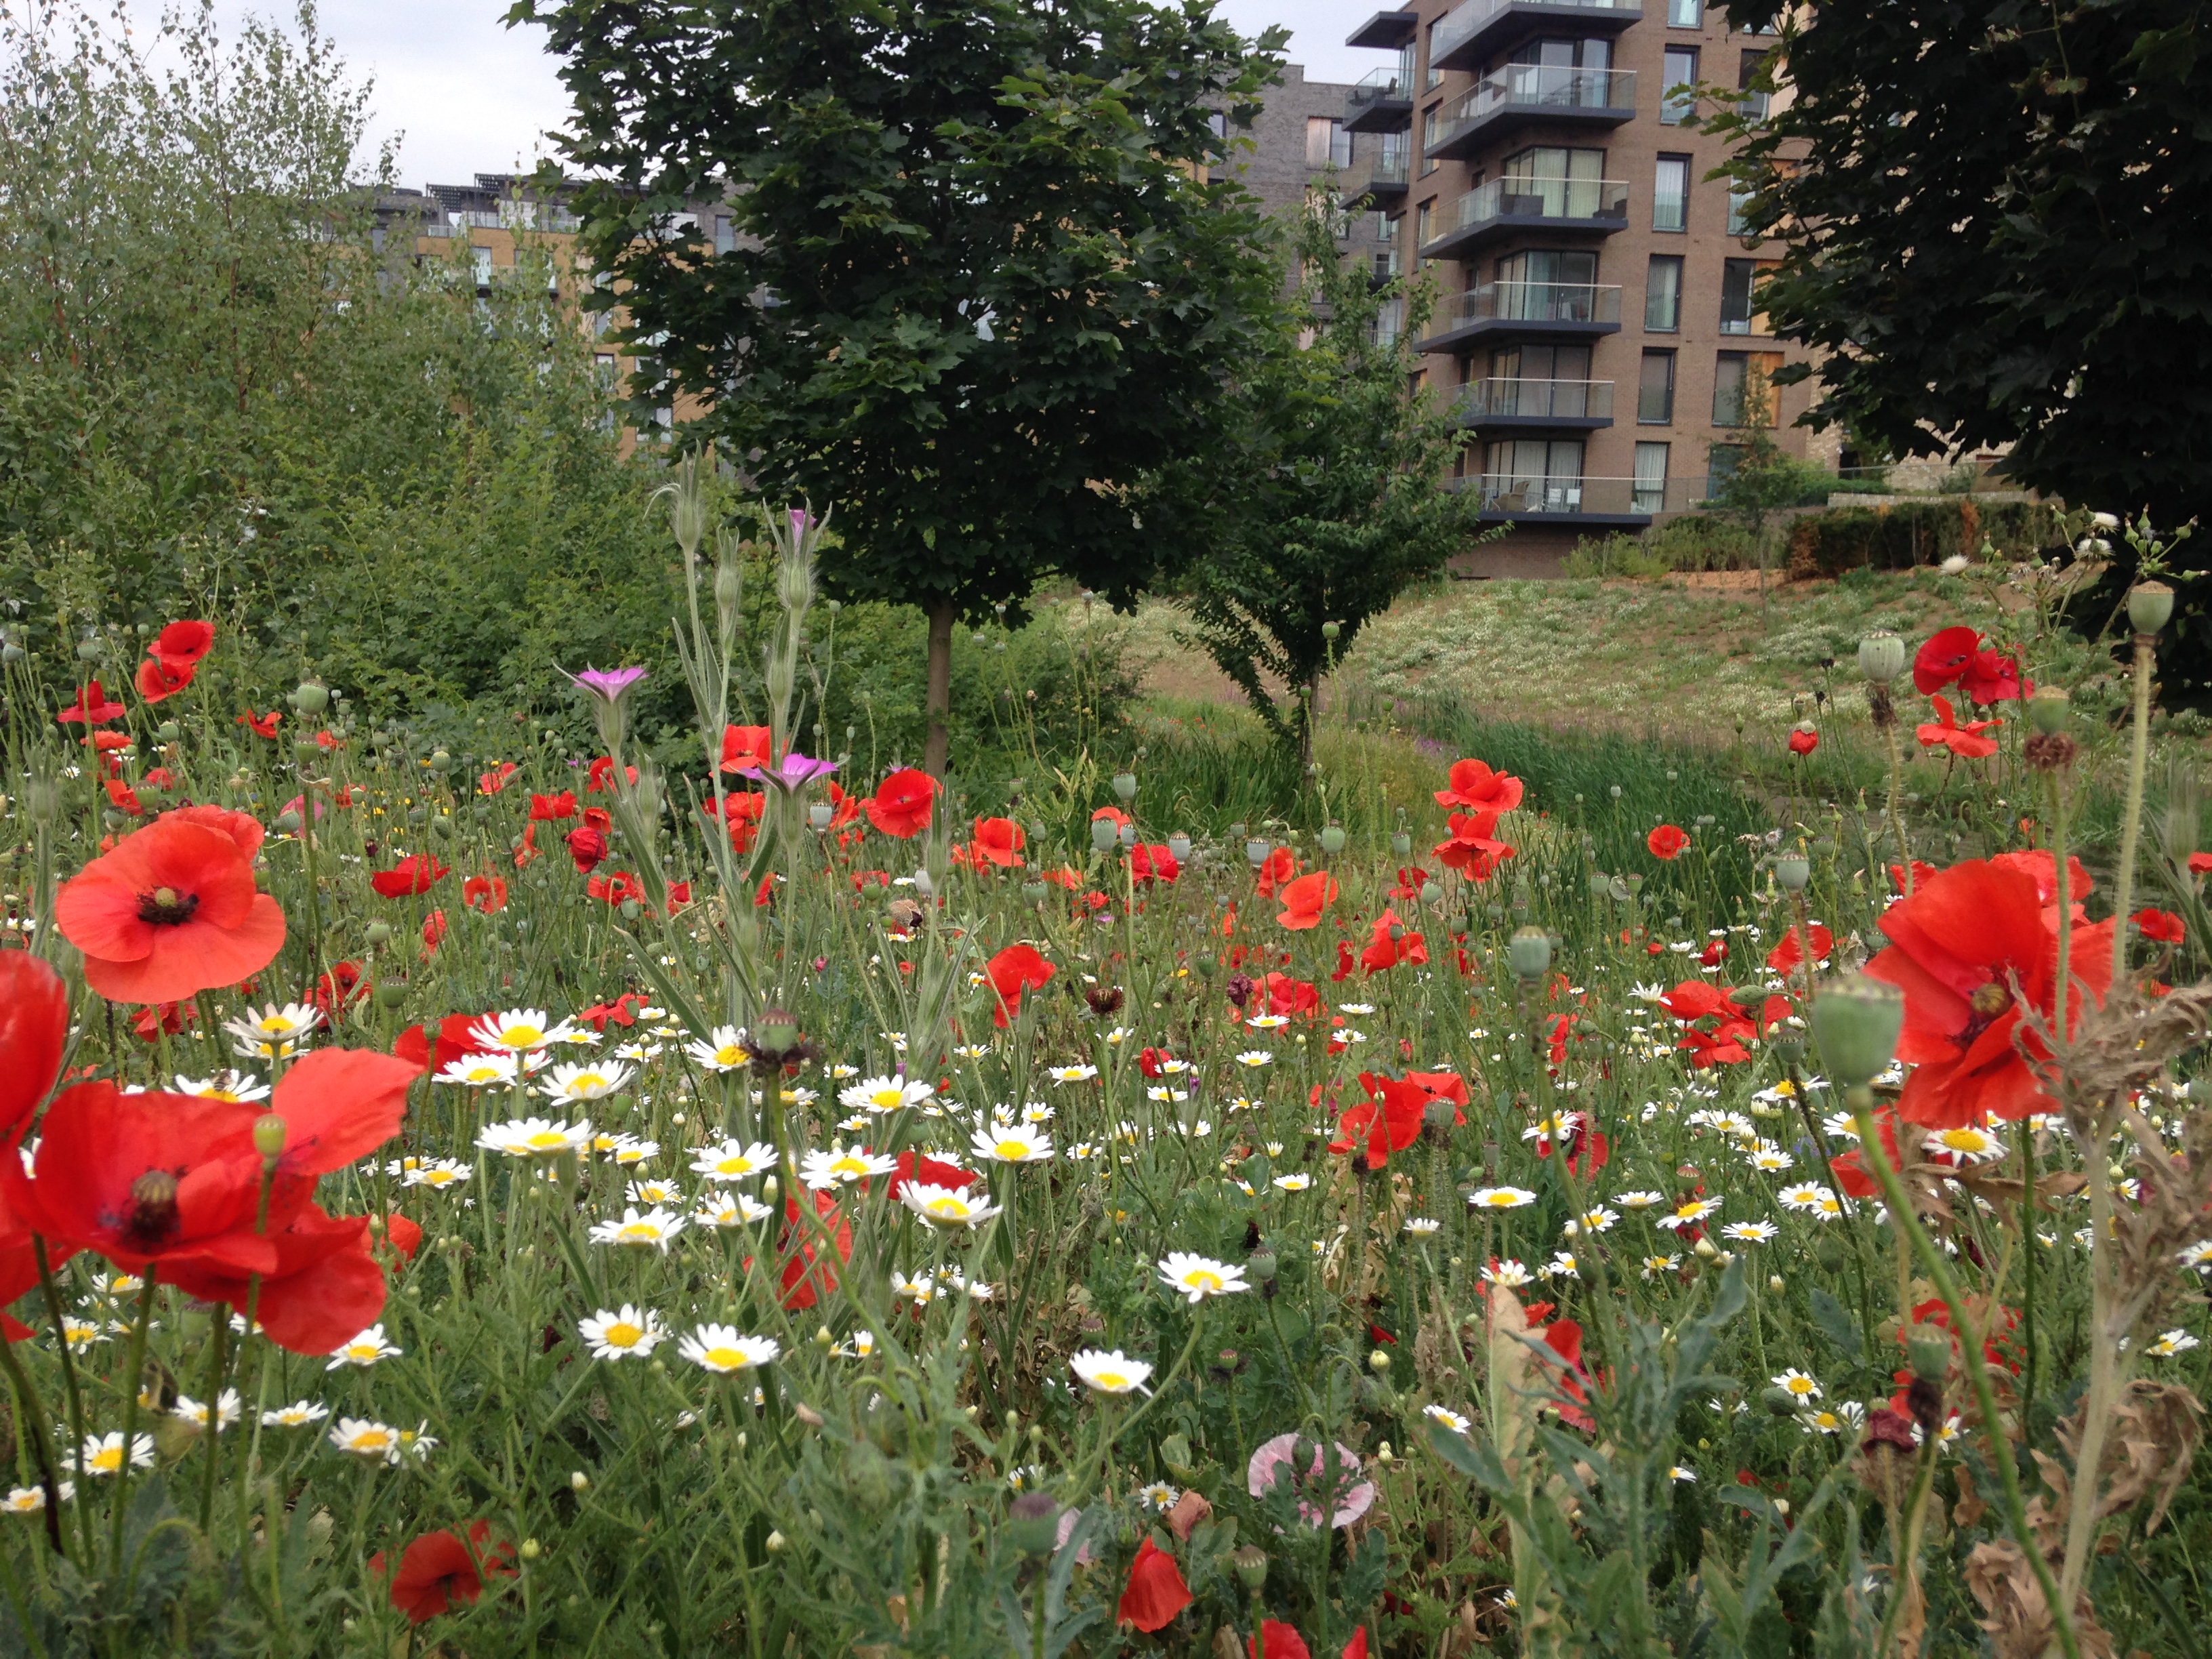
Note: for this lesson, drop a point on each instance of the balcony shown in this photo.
(1529, 95)
(1381, 101)
(1506, 207)
(1522, 498)
(1525, 311)
(1383, 176)
(1386, 31)
(1483, 28)
(1500, 404)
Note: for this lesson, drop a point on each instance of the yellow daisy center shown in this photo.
(884, 1100)
(726, 1360)
(1111, 1380)
(1201, 1278)
(108, 1458)
(546, 1141)
(639, 1232)
(372, 1440)
(952, 1208)
(623, 1334)
(729, 1054)
(1012, 1150)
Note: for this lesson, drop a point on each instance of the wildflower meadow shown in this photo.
(551, 1200)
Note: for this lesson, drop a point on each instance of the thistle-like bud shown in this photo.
(269, 1135)
(2150, 606)
(1855, 1021)
(1529, 952)
(1882, 658)
(1033, 1524)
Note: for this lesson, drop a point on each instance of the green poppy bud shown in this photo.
(1882, 658)
(2150, 606)
(1855, 1021)
(1529, 952)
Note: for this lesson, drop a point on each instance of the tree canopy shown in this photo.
(976, 283)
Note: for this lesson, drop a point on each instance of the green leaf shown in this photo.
(1836, 1324)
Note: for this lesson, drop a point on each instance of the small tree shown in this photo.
(979, 283)
(1323, 498)
(1765, 479)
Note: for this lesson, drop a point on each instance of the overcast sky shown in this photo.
(470, 96)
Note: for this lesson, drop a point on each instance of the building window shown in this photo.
(1739, 224)
(1681, 70)
(1655, 390)
(482, 256)
(726, 235)
(1650, 488)
(1663, 294)
(1685, 15)
(1327, 144)
(1386, 228)
(1421, 216)
(1386, 265)
(1721, 462)
(1737, 277)
(1670, 194)
(1752, 104)
(1435, 75)
(1535, 475)
(1729, 375)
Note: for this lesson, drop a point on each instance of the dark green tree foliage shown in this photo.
(979, 286)
(1994, 219)
(224, 394)
(1321, 499)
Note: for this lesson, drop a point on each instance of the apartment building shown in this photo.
(1597, 329)
(1303, 141)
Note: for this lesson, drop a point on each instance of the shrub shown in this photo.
(1909, 533)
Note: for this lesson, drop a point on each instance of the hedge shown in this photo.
(1908, 533)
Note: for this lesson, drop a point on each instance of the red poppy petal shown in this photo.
(34, 1027)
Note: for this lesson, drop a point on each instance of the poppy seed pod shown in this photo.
(1332, 838)
(391, 993)
(1262, 1265)
(1779, 1401)
(168, 731)
(1855, 1020)
(1882, 658)
(1529, 952)
(1329, 630)
(2150, 606)
(1257, 851)
(1125, 785)
(2048, 708)
(1179, 849)
(269, 1135)
(1928, 1348)
(1251, 1564)
(819, 814)
(1795, 872)
(311, 698)
(1104, 834)
(1127, 834)
(1401, 844)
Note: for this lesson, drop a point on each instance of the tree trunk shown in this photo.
(939, 698)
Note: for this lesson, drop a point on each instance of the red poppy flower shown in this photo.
(1390, 943)
(588, 848)
(416, 873)
(401, 1235)
(1992, 677)
(340, 989)
(1151, 862)
(806, 1279)
(745, 748)
(484, 893)
(1945, 732)
(175, 1181)
(434, 933)
(182, 644)
(1285, 995)
(844, 808)
(439, 1569)
(1958, 944)
(551, 809)
(1803, 742)
(902, 804)
(622, 1011)
(599, 776)
(1388, 1121)
(1017, 969)
(1113, 815)
(1667, 841)
(929, 1171)
(262, 725)
(34, 1031)
(1156, 1591)
(1477, 789)
(158, 678)
(618, 888)
(741, 812)
(1474, 850)
(91, 708)
(1786, 957)
(173, 910)
(1849, 1168)
(998, 840)
(2199, 863)
(1410, 883)
(1563, 1337)
(456, 1040)
(1304, 899)
(122, 798)
(1277, 870)
(1943, 658)
(494, 781)
(1277, 1640)
(2160, 927)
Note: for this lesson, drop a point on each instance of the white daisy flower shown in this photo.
(1500, 1198)
(363, 1438)
(520, 1030)
(1509, 1273)
(1256, 1057)
(1422, 1226)
(731, 1210)
(723, 1050)
(625, 1333)
(284, 1022)
(1964, 1144)
(189, 1410)
(734, 1160)
(944, 1206)
(437, 1175)
(1750, 1232)
(720, 1349)
(840, 1166)
(1639, 1200)
(1689, 1211)
(1199, 1276)
(535, 1137)
(489, 1071)
(363, 1351)
(297, 1415)
(1294, 1183)
(2171, 1343)
(1268, 1022)
(655, 1229)
(235, 1087)
(583, 1082)
(1449, 1419)
(884, 1095)
(1794, 1382)
(1005, 1144)
(1079, 1074)
(1109, 1372)
(32, 1500)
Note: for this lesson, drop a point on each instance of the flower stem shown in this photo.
(133, 1378)
(2132, 822)
(1860, 1098)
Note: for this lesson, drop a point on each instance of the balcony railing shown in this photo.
(1383, 85)
(1532, 86)
(1390, 169)
(1462, 22)
(1545, 198)
(1500, 398)
(1530, 302)
(1511, 494)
